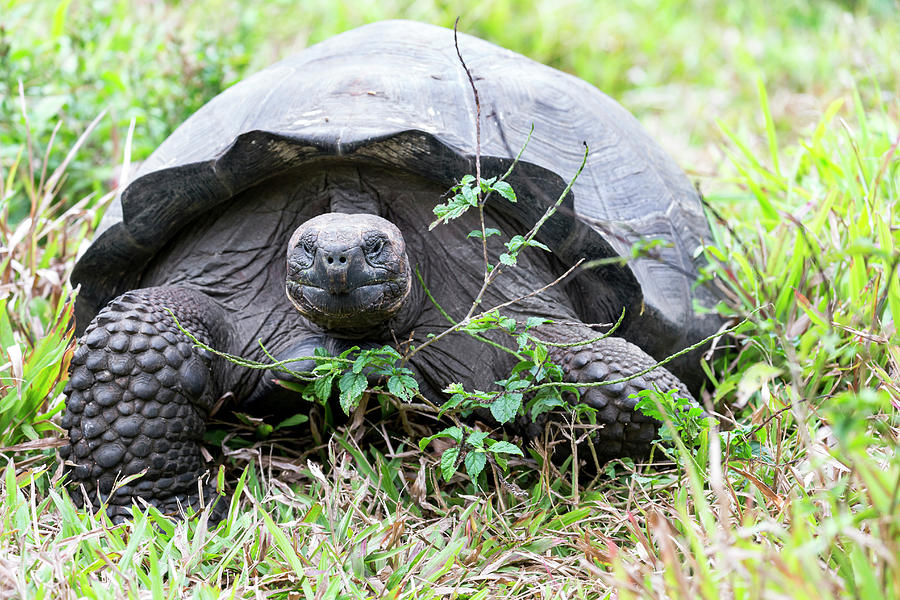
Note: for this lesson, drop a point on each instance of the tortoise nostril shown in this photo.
(330, 260)
(343, 259)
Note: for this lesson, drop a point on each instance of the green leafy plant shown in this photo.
(679, 416)
(473, 449)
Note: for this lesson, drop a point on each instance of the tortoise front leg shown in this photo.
(139, 395)
(625, 431)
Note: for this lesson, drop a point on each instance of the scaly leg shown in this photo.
(625, 431)
(138, 398)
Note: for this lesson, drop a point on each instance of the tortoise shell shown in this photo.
(393, 95)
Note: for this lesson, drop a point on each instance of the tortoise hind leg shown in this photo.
(625, 431)
(139, 395)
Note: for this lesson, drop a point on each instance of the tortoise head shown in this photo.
(348, 273)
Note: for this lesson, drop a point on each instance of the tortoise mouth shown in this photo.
(364, 307)
(326, 289)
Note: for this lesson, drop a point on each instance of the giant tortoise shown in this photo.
(336, 158)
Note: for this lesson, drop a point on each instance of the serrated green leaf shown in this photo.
(475, 462)
(487, 184)
(505, 407)
(540, 354)
(455, 432)
(403, 386)
(389, 352)
(515, 243)
(503, 447)
(454, 401)
(322, 387)
(488, 231)
(325, 367)
(476, 439)
(516, 384)
(522, 365)
(454, 388)
(508, 323)
(352, 386)
(505, 190)
(532, 322)
(452, 210)
(485, 322)
(448, 462)
(450, 432)
(469, 195)
(506, 259)
(360, 363)
(544, 401)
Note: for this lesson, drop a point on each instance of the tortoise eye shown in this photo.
(374, 246)
(302, 255)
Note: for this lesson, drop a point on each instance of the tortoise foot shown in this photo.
(138, 398)
(624, 431)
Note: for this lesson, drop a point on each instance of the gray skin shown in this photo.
(204, 228)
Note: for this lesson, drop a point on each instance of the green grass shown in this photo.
(787, 114)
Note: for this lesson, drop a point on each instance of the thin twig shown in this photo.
(477, 105)
(495, 272)
(254, 364)
(452, 322)
(477, 147)
(582, 342)
(471, 318)
(653, 367)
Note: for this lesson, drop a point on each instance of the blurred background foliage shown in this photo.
(681, 67)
